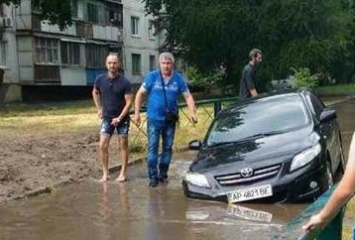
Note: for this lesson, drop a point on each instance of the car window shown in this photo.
(260, 117)
(317, 105)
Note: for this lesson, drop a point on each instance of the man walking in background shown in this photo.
(162, 87)
(247, 88)
(112, 95)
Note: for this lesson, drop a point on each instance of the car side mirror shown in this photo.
(195, 145)
(327, 114)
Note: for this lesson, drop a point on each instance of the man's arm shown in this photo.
(253, 92)
(191, 106)
(96, 98)
(250, 82)
(137, 105)
(125, 110)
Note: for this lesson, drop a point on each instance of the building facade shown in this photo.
(35, 54)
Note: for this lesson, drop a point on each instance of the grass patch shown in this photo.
(79, 116)
(62, 108)
(342, 89)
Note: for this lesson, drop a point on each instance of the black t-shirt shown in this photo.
(247, 82)
(112, 94)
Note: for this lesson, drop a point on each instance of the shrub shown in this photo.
(304, 78)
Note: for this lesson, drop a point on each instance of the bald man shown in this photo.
(112, 95)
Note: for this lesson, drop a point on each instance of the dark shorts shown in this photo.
(107, 128)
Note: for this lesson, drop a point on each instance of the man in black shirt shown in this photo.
(247, 87)
(112, 94)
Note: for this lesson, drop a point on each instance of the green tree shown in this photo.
(290, 33)
(57, 12)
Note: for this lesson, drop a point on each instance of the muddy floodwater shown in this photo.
(94, 210)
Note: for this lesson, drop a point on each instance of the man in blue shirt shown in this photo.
(112, 95)
(162, 87)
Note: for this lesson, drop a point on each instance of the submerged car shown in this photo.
(278, 147)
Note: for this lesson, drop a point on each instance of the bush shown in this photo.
(208, 80)
(304, 78)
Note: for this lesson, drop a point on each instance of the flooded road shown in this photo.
(93, 210)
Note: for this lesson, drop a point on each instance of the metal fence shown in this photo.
(185, 130)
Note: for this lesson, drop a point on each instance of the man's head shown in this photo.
(166, 63)
(112, 63)
(255, 56)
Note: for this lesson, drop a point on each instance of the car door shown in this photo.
(328, 128)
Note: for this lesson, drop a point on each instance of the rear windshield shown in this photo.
(262, 117)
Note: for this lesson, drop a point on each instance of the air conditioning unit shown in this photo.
(6, 22)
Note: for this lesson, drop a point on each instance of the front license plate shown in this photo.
(246, 194)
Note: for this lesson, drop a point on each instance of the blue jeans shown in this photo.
(167, 132)
(107, 128)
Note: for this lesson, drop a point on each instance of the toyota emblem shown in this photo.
(246, 172)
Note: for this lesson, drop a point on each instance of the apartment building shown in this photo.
(141, 43)
(35, 54)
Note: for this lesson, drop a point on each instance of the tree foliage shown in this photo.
(304, 78)
(56, 12)
(290, 33)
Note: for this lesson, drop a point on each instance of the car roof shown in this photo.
(271, 95)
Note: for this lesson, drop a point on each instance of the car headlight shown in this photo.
(197, 179)
(305, 157)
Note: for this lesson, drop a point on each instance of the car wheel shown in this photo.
(330, 177)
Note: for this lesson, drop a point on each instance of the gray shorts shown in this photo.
(107, 128)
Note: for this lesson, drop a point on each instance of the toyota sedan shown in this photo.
(278, 147)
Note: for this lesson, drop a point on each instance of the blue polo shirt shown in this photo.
(112, 94)
(156, 107)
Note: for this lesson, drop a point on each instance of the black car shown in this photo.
(279, 147)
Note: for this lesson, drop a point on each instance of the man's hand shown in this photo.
(316, 221)
(99, 112)
(115, 121)
(193, 119)
(137, 119)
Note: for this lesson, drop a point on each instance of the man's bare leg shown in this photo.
(104, 144)
(123, 148)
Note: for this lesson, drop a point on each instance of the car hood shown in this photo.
(255, 149)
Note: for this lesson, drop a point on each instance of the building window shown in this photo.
(134, 26)
(2, 12)
(152, 63)
(3, 47)
(96, 55)
(151, 29)
(46, 50)
(114, 15)
(74, 8)
(70, 53)
(95, 14)
(136, 64)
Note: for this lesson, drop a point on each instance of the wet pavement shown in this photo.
(131, 210)
(94, 210)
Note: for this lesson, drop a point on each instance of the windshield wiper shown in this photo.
(221, 143)
(258, 135)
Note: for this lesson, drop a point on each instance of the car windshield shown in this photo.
(264, 117)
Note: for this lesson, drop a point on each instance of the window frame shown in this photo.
(72, 53)
(136, 64)
(46, 51)
(134, 26)
(151, 30)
